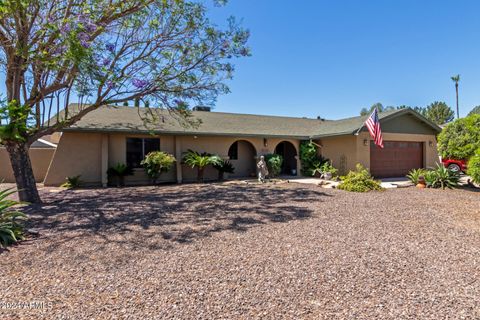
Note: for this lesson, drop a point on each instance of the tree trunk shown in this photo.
(456, 90)
(200, 171)
(22, 170)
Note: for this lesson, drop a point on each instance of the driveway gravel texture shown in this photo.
(236, 251)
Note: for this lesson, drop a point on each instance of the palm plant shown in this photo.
(456, 79)
(11, 227)
(200, 161)
(119, 172)
(224, 166)
(72, 182)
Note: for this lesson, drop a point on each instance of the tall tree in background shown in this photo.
(439, 113)
(456, 79)
(378, 105)
(104, 52)
(475, 110)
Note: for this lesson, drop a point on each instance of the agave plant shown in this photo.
(415, 174)
(200, 161)
(72, 182)
(119, 172)
(442, 177)
(11, 227)
(224, 167)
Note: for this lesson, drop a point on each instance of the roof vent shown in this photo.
(202, 108)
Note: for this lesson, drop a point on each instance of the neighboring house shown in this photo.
(41, 153)
(111, 135)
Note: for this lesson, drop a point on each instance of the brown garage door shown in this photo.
(396, 159)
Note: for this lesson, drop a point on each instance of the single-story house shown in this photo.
(111, 135)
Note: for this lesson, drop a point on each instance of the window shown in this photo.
(233, 151)
(138, 148)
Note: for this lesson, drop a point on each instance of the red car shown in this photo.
(455, 165)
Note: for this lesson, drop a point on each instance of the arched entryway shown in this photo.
(288, 152)
(242, 156)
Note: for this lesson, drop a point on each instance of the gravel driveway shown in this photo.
(220, 251)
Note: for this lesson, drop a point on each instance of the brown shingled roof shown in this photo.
(128, 119)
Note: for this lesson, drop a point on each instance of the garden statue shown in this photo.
(262, 169)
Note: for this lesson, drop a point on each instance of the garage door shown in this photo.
(396, 159)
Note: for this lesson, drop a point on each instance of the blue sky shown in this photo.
(331, 58)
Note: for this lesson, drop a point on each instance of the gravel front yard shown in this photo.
(242, 252)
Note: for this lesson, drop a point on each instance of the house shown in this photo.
(111, 135)
(41, 154)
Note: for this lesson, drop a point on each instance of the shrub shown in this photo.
(461, 138)
(200, 161)
(359, 180)
(72, 182)
(309, 158)
(326, 167)
(474, 167)
(441, 177)
(157, 162)
(222, 167)
(11, 226)
(414, 174)
(119, 172)
(274, 164)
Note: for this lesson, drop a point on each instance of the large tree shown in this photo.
(378, 105)
(439, 112)
(460, 138)
(104, 52)
(475, 110)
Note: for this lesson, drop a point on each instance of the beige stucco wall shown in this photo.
(341, 150)
(81, 153)
(39, 157)
(77, 154)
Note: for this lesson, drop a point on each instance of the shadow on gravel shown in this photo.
(153, 217)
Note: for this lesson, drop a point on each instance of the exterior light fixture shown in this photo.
(265, 144)
(430, 144)
(365, 142)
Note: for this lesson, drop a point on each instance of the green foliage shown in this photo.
(359, 180)
(274, 164)
(72, 182)
(224, 167)
(439, 113)
(473, 167)
(17, 116)
(378, 105)
(460, 138)
(309, 158)
(157, 162)
(11, 226)
(475, 110)
(326, 167)
(119, 172)
(441, 177)
(415, 174)
(200, 161)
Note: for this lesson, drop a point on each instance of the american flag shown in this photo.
(373, 126)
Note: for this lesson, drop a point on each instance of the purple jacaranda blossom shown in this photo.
(59, 50)
(110, 84)
(106, 62)
(110, 47)
(84, 39)
(66, 28)
(139, 83)
(90, 27)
